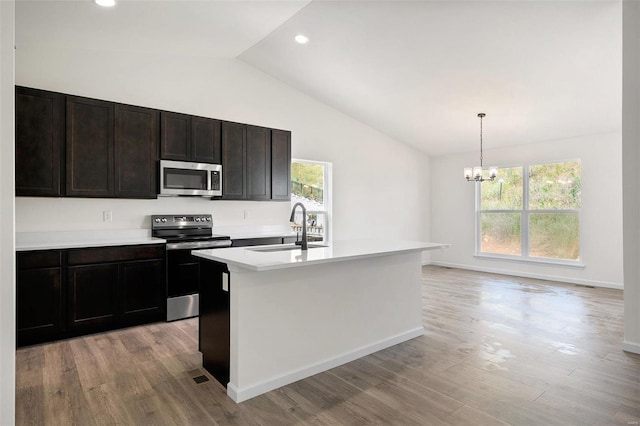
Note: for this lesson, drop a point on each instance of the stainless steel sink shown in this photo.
(285, 248)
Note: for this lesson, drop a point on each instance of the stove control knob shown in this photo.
(197, 219)
(164, 220)
(208, 219)
(157, 220)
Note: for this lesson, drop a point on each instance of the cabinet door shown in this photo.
(175, 136)
(39, 134)
(258, 171)
(90, 156)
(92, 294)
(136, 152)
(38, 305)
(280, 165)
(205, 140)
(143, 290)
(214, 333)
(234, 137)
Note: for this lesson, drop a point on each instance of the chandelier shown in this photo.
(476, 174)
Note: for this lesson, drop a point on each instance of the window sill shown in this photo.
(539, 261)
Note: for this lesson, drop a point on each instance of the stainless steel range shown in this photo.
(183, 234)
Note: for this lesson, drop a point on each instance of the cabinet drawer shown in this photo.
(39, 259)
(115, 254)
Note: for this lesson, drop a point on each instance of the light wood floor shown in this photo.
(497, 350)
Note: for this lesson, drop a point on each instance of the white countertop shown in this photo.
(261, 259)
(26, 241)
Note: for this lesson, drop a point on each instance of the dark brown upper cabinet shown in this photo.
(112, 149)
(175, 136)
(234, 148)
(39, 142)
(280, 165)
(90, 159)
(80, 147)
(258, 170)
(205, 140)
(136, 152)
(256, 163)
(189, 138)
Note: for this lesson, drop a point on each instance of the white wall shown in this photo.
(378, 184)
(631, 175)
(453, 208)
(7, 257)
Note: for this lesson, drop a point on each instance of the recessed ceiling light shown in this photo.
(105, 3)
(302, 39)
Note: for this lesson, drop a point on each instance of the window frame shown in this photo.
(327, 193)
(525, 211)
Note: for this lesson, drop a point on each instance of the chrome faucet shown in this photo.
(303, 242)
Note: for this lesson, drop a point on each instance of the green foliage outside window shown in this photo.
(307, 180)
(555, 186)
(554, 190)
(554, 235)
(500, 233)
(505, 193)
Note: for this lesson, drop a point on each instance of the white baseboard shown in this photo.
(591, 283)
(248, 392)
(631, 347)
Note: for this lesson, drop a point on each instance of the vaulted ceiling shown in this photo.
(418, 71)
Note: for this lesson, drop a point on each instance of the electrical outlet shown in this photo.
(247, 214)
(107, 216)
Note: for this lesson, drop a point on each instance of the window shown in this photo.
(531, 212)
(310, 185)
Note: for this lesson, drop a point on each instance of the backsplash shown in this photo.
(35, 214)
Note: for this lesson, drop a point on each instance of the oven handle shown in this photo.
(198, 245)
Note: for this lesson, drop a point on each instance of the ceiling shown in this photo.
(417, 71)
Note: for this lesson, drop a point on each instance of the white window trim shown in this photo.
(524, 224)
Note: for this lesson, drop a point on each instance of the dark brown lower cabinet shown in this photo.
(214, 321)
(39, 296)
(143, 290)
(65, 293)
(92, 297)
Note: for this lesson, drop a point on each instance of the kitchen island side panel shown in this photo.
(288, 324)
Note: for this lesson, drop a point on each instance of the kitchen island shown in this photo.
(272, 315)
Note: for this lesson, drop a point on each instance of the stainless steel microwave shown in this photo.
(186, 178)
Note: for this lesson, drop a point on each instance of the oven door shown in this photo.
(183, 277)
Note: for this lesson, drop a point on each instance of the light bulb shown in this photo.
(493, 172)
(477, 172)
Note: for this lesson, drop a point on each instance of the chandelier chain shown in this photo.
(481, 139)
